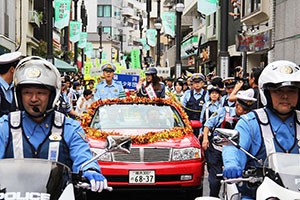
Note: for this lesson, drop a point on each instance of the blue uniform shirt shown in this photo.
(250, 138)
(105, 91)
(225, 98)
(187, 96)
(79, 149)
(7, 90)
(212, 109)
(218, 117)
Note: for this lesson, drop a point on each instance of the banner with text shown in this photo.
(135, 59)
(74, 31)
(151, 37)
(144, 43)
(62, 13)
(163, 71)
(128, 81)
(168, 21)
(87, 68)
(207, 7)
(136, 72)
(88, 51)
(83, 40)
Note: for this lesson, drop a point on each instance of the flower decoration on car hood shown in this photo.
(149, 137)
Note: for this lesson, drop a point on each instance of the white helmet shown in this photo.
(275, 75)
(37, 71)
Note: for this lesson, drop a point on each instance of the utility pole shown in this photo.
(224, 55)
(83, 16)
(141, 21)
(179, 9)
(76, 43)
(158, 27)
(100, 40)
(49, 28)
(148, 9)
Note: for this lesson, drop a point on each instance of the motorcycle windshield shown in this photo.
(32, 179)
(288, 168)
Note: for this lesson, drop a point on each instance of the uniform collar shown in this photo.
(200, 93)
(112, 84)
(4, 84)
(276, 122)
(32, 125)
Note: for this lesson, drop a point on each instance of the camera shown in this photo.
(245, 80)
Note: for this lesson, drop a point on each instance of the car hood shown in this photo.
(180, 142)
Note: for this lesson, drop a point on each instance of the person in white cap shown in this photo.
(225, 117)
(274, 128)
(8, 63)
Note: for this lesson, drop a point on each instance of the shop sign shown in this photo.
(208, 52)
(258, 42)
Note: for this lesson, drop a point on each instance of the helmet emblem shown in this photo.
(197, 76)
(33, 73)
(286, 69)
(249, 103)
(108, 66)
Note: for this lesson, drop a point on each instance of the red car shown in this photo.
(164, 155)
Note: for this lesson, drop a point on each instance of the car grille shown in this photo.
(144, 155)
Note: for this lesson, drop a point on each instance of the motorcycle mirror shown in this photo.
(113, 144)
(121, 144)
(227, 136)
(219, 141)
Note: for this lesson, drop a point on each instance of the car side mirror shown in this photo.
(196, 124)
(120, 144)
(226, 136)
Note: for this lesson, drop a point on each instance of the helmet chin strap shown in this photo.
(41, 114)
(284, 114)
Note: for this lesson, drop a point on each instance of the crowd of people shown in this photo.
(269, 101)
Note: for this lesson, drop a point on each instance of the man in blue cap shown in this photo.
(229, 82)
(109, 88)
(8, 63)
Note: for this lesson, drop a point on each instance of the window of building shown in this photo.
(117, 12)
(250, 6)
(105, 29)
(104, 10)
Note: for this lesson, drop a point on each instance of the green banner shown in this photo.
(168, 21)
(144, 43)
(62, 13)
(88, 51)
(74, 31)
(207, 7)
(135, 59)
(83, 39)
(87, 68)
(151, 37)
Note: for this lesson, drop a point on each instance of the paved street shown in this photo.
(153, 195)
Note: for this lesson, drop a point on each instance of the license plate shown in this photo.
(142, 177)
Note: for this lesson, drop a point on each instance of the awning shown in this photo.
(63, 66)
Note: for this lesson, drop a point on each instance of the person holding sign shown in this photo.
(109, 88)
(152, 87)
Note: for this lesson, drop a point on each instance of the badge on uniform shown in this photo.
(115, 90)
(298, 143)
(83, 136)
(102, 90)
(55, 136)
(215, 113)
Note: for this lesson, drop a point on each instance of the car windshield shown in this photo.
(136, 116)
(287, 166)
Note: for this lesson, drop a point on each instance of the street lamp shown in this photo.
(179, 9)
(76, 43)
(100, 40)
(50, 56)
(157, 26)
(141, 21)
(84, 20)
(121, 40)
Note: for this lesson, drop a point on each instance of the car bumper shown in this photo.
(168, 175)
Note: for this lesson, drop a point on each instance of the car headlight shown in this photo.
(105, 157)
(189, 153)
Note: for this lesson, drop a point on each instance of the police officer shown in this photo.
(274, 128)
(151, 87)
(194, 99)
(229, 86)
(212, 105)
(37, 131)
(8, 63)
(225, 117)
(109, 88)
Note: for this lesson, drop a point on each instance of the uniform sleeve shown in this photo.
(79, 147)
(202, 116)
(215, 119)
(3, 135)
(186, 98)
(233, 156)
(122, 93)
(97, 93)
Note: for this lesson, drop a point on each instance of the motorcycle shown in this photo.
(278, 177)
(41, 179)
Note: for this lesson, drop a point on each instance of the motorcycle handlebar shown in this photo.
(82, 182)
